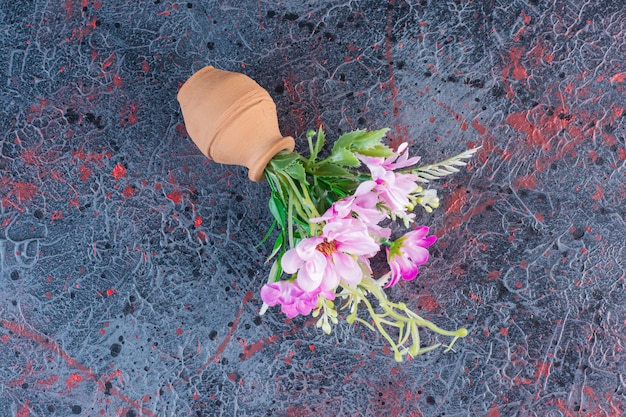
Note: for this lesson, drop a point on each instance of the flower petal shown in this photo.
(291, 261)
(418, 233)
(312, 273)
(365, 187)
(270, 294)
(289, 310)
(306, 247)
(330, 281)
(418, 254)
(347, 268)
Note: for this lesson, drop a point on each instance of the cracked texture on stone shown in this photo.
(128, 262)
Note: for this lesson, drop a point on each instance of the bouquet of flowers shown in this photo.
(334, 215)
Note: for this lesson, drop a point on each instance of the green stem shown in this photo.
(401, 317)
(290, 221)
(291, 190)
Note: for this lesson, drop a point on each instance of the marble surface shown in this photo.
(129, 269)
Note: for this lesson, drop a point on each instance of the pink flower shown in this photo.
(399, 160)
(392, 189)
(333, 257)
(407, 253)
(365, 209)
(293, 299)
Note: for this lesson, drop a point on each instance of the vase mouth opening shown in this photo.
(256, 170)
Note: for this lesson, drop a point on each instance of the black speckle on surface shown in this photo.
(116, 348)
(15, 275)
(578, 233)
(76, 409)
(71, 116)
(291, 16)
(476, 83)
(128, 309)
(95, 120)
(212, 334)
(309, 25)
(497, 91)
(430, 400)
(210, 45)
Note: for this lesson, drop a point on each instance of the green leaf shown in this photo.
(267, 234)
(346, 140)
(328, 169)
(369, 139)
(338, 187)
(345, 157)
(282, 160)
(359, 140)
(278, 246)
(319, 143)
(377, 151)
(275, 185)
(278, 211)
(296, 171)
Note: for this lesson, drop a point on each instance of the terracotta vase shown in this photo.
(232, 119)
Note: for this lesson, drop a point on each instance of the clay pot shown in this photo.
(232, 119)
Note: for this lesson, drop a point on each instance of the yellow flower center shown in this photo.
(327, 247)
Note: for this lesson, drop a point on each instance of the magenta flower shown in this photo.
(333, 257)
(293, 299)
(407, 253)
